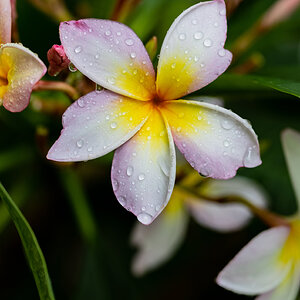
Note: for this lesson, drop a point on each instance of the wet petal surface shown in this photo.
(215, 141)
(96, 124)
(143, 170)
(193, 53)
(110, 54)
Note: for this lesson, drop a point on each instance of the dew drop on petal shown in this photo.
(129, 42)
(78, 49)
(182, 36)
(107, 33)
(113, 125)
(198, 35)
(133, 55)
(144, 218)
(223, 12)
(226, 124)
(80, 102)
(207, 43)
(249, 157)
(221, 52)
(141, 176)
(194, 22)
(129, 171)
(79, 143)
(122, 200)
(226, 143)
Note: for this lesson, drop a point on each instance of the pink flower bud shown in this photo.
(58, 60)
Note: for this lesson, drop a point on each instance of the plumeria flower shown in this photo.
(269, 266)
(157, 242)
(20, 69)
(136, 113)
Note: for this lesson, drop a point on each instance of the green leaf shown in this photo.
(235, 82)
(32, 249)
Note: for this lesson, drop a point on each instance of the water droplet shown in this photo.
(226, 124)
(111, 80)
(182, 36)
(207, 43)
(119, 33)
(223, 12)
(216, 24)
(98, 88)
(249, 157)
(135, 71)
(79, 143)
(221, 52)
(129, 42)
(226, 143)
(107, 32)
(196, 58)
(80, 102)
(78, 49)
(90, 149)
(97, 56)
(122, 200)
(144, 218)
(141, 176)
(173, 66)
(107, 117)
(115, 185)
(202, 65)
(129, 171)
(90, 29)
(72, 68)
(198, 35)
(133, 55)
(113, 125)
(194, 22)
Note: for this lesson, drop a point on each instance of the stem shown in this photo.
(57, 86)
(268, 217)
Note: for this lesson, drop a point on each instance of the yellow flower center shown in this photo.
(4, 70)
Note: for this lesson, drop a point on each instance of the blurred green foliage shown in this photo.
(82, 229)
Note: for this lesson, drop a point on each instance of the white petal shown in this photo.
(291, 146)
(143, 170)
(257, 268)
(96, 124)
(157, 242)
(226, 217)
(287, 290)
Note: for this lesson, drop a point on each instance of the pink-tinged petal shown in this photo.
(20, 70)
(157, 242)
(225, 217)
(291, 146)
(257, 268)
(110, 54)
(193, 53)
(143, 170)
(288, 289)
(5, 21)
(96, 124)
(214, 140)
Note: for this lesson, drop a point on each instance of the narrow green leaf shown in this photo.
(236, 82)
(282, 85)
(32, 249)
